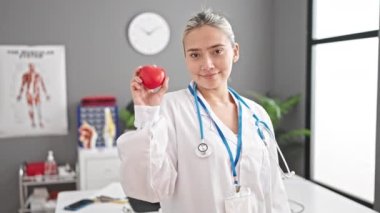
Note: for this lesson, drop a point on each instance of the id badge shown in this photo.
(242, 201)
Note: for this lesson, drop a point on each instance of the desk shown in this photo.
(316, 198)
(112, 190)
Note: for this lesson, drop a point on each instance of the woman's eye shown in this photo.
(194, 55)
(219, 51)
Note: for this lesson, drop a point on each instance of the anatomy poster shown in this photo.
(33, 99)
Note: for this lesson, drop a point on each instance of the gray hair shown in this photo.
(210, 18)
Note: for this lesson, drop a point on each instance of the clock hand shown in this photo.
(153, 30)
(144, 30)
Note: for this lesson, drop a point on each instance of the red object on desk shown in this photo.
(35, 168)
(98, 101)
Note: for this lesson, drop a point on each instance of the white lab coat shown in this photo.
(160, 164)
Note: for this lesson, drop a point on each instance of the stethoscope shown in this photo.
(263, 131)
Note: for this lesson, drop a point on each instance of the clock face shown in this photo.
(148, 33)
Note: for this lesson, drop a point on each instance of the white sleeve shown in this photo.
(148, 163)
(279, 197)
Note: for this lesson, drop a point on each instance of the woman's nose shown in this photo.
(207, 64)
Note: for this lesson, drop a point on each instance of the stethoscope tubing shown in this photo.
(258, 122)
(234, 161)
(288, 173)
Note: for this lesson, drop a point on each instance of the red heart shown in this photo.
(152, 76)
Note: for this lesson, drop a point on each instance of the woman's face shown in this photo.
(209, 56)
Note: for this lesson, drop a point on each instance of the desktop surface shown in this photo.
(304, 197)
(308, 197)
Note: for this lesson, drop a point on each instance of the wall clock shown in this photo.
(148, 33)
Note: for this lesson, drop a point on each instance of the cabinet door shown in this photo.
(101, 171)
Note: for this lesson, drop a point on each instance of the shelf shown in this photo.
(47, 180)
(27, 183)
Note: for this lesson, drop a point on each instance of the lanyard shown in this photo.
(233, 161)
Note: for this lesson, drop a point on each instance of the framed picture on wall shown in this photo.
(33, 99)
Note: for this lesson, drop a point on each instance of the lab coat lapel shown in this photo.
(207, 122)
(230, 136)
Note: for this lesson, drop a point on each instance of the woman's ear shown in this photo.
(236, 52)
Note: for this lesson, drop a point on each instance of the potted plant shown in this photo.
(127, 116)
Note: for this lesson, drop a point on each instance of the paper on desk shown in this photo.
(113, 190)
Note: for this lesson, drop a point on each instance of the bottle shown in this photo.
(50, 165)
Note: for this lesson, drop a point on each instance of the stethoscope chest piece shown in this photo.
(203, 150)
(202, 147)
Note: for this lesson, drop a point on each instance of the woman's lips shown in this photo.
(211, 75)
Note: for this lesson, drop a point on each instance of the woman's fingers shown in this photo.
(137, 79)
(164, 87)
(137, 70)
(136, 86)
(136, 82)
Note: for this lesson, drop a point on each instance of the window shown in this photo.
(343, 56)
(343, 17)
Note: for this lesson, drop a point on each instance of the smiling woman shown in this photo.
(186, 152)
(209, 56)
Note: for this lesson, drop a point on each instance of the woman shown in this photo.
(196, 149)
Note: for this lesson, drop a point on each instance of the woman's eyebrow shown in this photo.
(211, 47)
(216, 45)
(192, 49)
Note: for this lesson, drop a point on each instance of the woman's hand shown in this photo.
(146, 97)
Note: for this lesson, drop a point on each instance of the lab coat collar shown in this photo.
(207, 121)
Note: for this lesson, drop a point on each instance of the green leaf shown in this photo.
(289, 103)
(127, 118)
(131, 107)
(130, 122)
(293, 136)
(270, 105)
(273, 110)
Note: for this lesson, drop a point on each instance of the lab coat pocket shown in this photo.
(243, 201)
